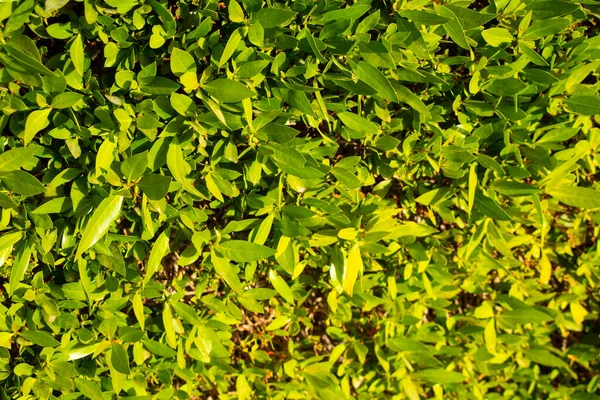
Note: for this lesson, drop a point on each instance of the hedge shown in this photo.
(311, 199)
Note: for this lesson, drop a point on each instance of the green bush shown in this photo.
(299, 199)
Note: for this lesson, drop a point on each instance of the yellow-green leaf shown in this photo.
(36, 121)
(243, 251)
(101, 220)
(375, 79)
(226, 271)
(17, 272)
(281, 286)
(578, 311)
(352, 268)
(77, 54)
(89, 389)
(160, 249)
(545, 269)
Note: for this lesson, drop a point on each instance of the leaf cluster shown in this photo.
(300, 199)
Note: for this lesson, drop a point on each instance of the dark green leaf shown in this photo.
(273, 17)
(22, 183)
(40, 338)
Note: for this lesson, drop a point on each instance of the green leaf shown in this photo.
(505, 87)
(54, 206)
(453, 27)
(490, 208)
(102, 219)
(178, 167)
(553, 179)
(7, 202)
(155, 186)
(16, 158)
(546, 358)
(577, 75)
(352, 268)
(558, 135)
(19, 16)
(53, 5)
(212, 187)
(375, 79)
(281, 286)
(36, 121)
(230, 47)
(540, 29)
(299, 101)
(7, 240)
(167, 317)
(524, 316)
(533, 56)
(187, 313)
(184, 105)
(17, 272)
(278, 323)
(89, 389)
(159, 250)
(514, 189)
(358, 123)
(439, 376)
(165, 16)
(27, 61)
(434, 196)
(263, 230)
(377, 54)
(279, 133)
(22, 183)
(472, 186)
(256, 34)
(133, 167)
(39, 338)
(119, 358)
(387, 143)
(575, 196)
(227, 90)
(159, 349)
(468, 18)
(584, 104)
(235, 12)
(160, 86)
(414, 39)
(273, 17)
(226, 271)
(251, 68)
(182, 62)
(457, 154)
(424, 17)
(408, 97)
(546, 9)
(77, 54)
(353, 12)
(314, 45)
(497, 36)
(66, 100)
(242, 251)
(138, 309)
(412, 229)
(147, 74)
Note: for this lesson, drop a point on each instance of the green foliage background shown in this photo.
(298, 200)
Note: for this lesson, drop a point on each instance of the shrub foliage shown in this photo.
(299, 199)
